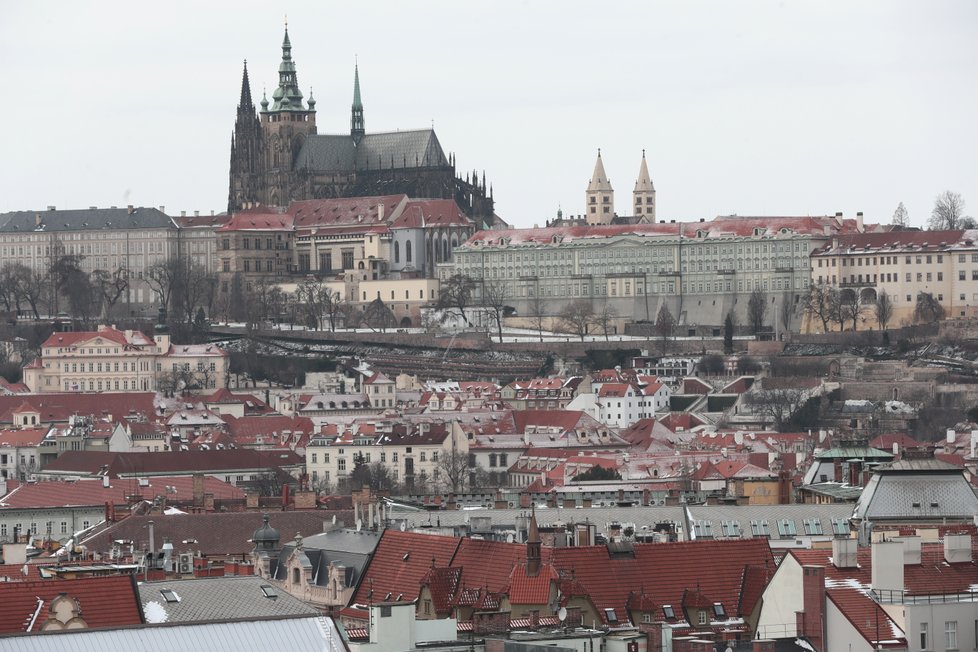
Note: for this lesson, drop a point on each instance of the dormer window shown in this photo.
(719, 611)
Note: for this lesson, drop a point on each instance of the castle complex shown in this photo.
(278, 156)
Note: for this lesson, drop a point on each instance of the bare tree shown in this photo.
(756, 310)
(884, 309)
(777, 404)
(452, 470)
(111, 287)
(537, 307)
(84, 301)
(456, 295)
(162, 278)
(948, 212)
(605, 320)
(494, 295)
(785, 312)
(818, 304)
(63, 267)
(29, 286)
(377, 316)
(928, 309)
(576, 317)
(900, 216)
(850, 309)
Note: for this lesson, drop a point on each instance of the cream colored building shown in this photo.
(700, 271)
(112, 360)
(904, 264)
(407, 449)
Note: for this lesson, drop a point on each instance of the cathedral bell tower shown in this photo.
(246, 151)
(643, 197)
(285, 123)
(600, 196)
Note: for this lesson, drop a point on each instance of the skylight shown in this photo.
(268, 591)
(668, 611)
(170, 595)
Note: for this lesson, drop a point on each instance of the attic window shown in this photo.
(268, 591)
(668, 612)
(840, 527)
(786, 527)
(719, 611)
(610, 616)
(169, 595)
(385, 611)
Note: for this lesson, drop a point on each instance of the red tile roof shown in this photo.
(56, 408)
(91, 492)
(129, 464)
(868, 617)
(26, 437)
(526, 589)
(111, 601)
(716, 567)
(487, 563)
(257, 220)
(400, 561)
(430, 212)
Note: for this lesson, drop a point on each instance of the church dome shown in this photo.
(265, 537)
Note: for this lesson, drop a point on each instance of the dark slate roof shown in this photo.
(218, 599)
(930, 496)
(328, 153)
(347, 548)
(213, 535)
(86, 219)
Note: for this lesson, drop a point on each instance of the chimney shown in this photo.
(810, 621)
(911, 549)
(974, 442)
(887, 573)
(896, 448)
(37, 220)
(196, 213)
(183, 213)
(130, 210)
(380, 212)
(859, 222)
(105, 482)
(957, 548)
(951, 436)
(838, 218)
(162, 209)
(198, 489)
(52, 208)
(844, 553)
(152, 539)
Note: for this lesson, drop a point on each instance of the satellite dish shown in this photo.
(562, 614)
(359, 524)
(403, 526)
(509, 538)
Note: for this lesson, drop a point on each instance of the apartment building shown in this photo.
(112, 360)
(412, 451)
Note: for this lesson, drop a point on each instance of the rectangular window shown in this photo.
(924, 642)
(951, 635)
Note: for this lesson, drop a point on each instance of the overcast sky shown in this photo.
(753, 108)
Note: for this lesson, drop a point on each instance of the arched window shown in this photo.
(407, 251)
(397, 252)
(295, 575)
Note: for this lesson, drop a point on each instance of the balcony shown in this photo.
(858, 284)
(726, 272)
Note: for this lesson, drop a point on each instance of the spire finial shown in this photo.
(599, 152)
(643, 152)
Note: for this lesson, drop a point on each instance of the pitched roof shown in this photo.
(258, 220)
(400, 561)
(717, 567)
(430, 212)
(527, 589)
(214, 534)
(110, 601)
(59, 407)
(340, 153)
(164, 463)
(90, 219)
(218, 599)
(91, 492)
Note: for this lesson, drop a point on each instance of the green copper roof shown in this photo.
(287, 97)
(357, 104)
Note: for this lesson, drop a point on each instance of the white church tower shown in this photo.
(643, 197)
(600, 196)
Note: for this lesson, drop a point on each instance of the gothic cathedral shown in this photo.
(277, 156)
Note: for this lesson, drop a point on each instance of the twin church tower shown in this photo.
(600, 198)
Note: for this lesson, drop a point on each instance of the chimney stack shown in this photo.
(911, 549)
(810, 621)
(957, 548)
(887, 572)
(130, 209)
(844, 553)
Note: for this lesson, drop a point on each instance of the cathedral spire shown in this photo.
(287, 97)
(245, 101)
(356, 117)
